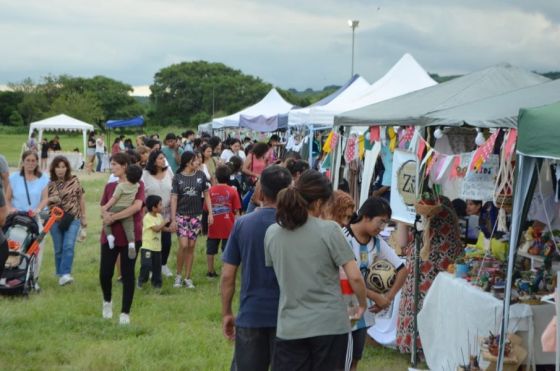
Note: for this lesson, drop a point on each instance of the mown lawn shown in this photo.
(61, 328)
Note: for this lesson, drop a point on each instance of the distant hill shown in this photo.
(314, 95)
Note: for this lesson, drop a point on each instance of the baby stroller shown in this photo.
(22, 233)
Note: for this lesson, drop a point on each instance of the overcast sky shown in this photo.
(289, 43)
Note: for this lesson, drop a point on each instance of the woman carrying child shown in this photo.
(119, 164)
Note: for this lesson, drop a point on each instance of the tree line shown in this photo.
(184, 94)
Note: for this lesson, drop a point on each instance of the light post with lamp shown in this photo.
(353, 23)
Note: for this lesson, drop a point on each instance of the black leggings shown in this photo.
(165, 246)
(107, 268)
(4, 252)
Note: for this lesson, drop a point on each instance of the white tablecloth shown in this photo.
(454, 312)
(74, 158)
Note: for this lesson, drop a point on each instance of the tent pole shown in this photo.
(311, 134)
(522, 191)
(417, 234)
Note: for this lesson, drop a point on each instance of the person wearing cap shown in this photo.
(172, 151)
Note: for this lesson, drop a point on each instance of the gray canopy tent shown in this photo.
(537, 140)
(410, 109)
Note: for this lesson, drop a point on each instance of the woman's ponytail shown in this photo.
(291, 208)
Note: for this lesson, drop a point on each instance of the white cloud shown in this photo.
(288, 43)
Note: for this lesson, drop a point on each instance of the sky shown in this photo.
(288, 43)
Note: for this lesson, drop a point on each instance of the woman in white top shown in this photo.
(158, 179)
(99, 151)
(233, 150)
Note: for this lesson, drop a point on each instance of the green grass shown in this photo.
(177, 329)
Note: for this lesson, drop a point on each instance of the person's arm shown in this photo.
(44, 201)
(173, 206)
(113, 200)
(158, 227)
(83, 219)
(357, 283)
(8, 194)
(208, 203)
(129, 211)
(6, 183)
(227, 287)
(247, 166)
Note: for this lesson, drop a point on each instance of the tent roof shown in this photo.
(404, 77)
(409, 109)
(271, 105)
(346, 93)
(61, 122)
(497, 111)
(135, 121)
(538, 131)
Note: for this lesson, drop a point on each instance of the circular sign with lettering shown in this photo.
(406, 182)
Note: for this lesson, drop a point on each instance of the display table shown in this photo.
(455, 313)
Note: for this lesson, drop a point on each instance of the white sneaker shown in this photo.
(36, 287)
(65, 279)
(166, 271)
(189, 284)
(107, 309)
(131, 250)
(124, 319)
(178, 282)
(111, 241)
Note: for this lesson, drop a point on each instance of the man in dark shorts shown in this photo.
(254, 329)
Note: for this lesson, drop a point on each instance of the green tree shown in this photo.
(15, 119)
(84, 106)
(182, 92)
(9, 101)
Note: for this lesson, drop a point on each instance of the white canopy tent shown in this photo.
(61, 122)
(268, 112)
(404, 77)
(302, 116)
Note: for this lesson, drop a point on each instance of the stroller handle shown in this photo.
(57, 212)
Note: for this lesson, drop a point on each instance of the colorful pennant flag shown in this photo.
(509, 146)
(374, 135)
(483, 152)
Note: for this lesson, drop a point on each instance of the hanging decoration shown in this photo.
(374, 135)
(331, 142)
(483, 152)
(352, 151)
(392, 135)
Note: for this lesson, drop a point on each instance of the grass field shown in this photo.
(61, 328)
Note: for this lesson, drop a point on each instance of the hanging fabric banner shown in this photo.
(403, 186)
(374, 135)
(509, 146)
(369, 171)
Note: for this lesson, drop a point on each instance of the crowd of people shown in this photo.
(276, 221)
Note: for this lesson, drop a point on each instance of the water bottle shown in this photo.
(351, 301)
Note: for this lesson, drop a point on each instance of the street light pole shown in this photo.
(353, 23)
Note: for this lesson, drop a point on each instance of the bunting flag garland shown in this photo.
(374, 135)
(361, 146)
(455, 164)
(392, 138)
(406, 137)
(330, 142)
(421, 148)
(351, 151)
(442, 169)
(431, 163)
(510, 143)
(483, 152)
(327, 146)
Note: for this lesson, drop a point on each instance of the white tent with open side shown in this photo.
(269, 114)
(404, 77)
(61, 122)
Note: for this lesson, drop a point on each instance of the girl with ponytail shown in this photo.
(306, 252)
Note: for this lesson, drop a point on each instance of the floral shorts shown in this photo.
(188, 226)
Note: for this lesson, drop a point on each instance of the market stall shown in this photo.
(414, 109)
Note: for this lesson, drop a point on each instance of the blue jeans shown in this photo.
(64, 243)
(99, 156)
